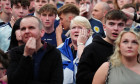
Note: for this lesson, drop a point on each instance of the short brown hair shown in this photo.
(48, 8)
(68, 8)
(115, 15)
(128, 6)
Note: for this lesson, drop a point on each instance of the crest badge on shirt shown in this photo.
(96, 29)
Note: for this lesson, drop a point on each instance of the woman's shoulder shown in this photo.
(105, 66)
(101, 74)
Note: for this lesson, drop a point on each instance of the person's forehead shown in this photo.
(98, 7)
(47, 12)
(40, 0)
(127, 36)
(84, 0)
(29, 20)
(4, 1)
(77, 24)
(70, 0)
(116, 21)
(104, 0)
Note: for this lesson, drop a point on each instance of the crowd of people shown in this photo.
(69, 41)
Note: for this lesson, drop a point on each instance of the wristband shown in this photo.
(80, 44)
(135, 16)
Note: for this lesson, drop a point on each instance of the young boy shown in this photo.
(19, 9)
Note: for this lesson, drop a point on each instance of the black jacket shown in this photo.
(92, 58)
(20, 70)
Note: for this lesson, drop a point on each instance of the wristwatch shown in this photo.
(80, 44)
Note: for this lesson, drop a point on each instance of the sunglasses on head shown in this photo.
(135, 29)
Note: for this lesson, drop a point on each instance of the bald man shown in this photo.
(100, 10)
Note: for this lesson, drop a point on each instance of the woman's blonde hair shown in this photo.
(115, 59)
(81, 21)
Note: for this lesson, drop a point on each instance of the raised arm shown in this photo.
(82, 39)
(133, 16)
(59, 31)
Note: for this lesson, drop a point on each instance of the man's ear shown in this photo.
(39, 16)
(89, 30)
(42, 32)
(71, 17)
(11, 10)
(33, 3)
(104, 27)
(105, 12)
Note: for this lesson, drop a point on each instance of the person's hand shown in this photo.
(30, 47)
(128, 14)
(4, 78)
(12, 22)
(83, 10)
(83, 36)
(59, 30)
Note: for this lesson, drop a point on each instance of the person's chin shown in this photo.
(25, 40)
(75, 38)
(114, 38)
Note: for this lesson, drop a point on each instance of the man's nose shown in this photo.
(27, 30)
(40, 3)
(21, 10)
(116, 27)
(47, 17)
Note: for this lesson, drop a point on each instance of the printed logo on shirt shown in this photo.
(96, 29)
(49, 39)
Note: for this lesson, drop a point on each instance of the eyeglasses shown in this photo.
(135, 29)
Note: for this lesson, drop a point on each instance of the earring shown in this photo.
(138, 58)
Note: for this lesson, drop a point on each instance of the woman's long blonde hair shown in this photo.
(115, 59)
